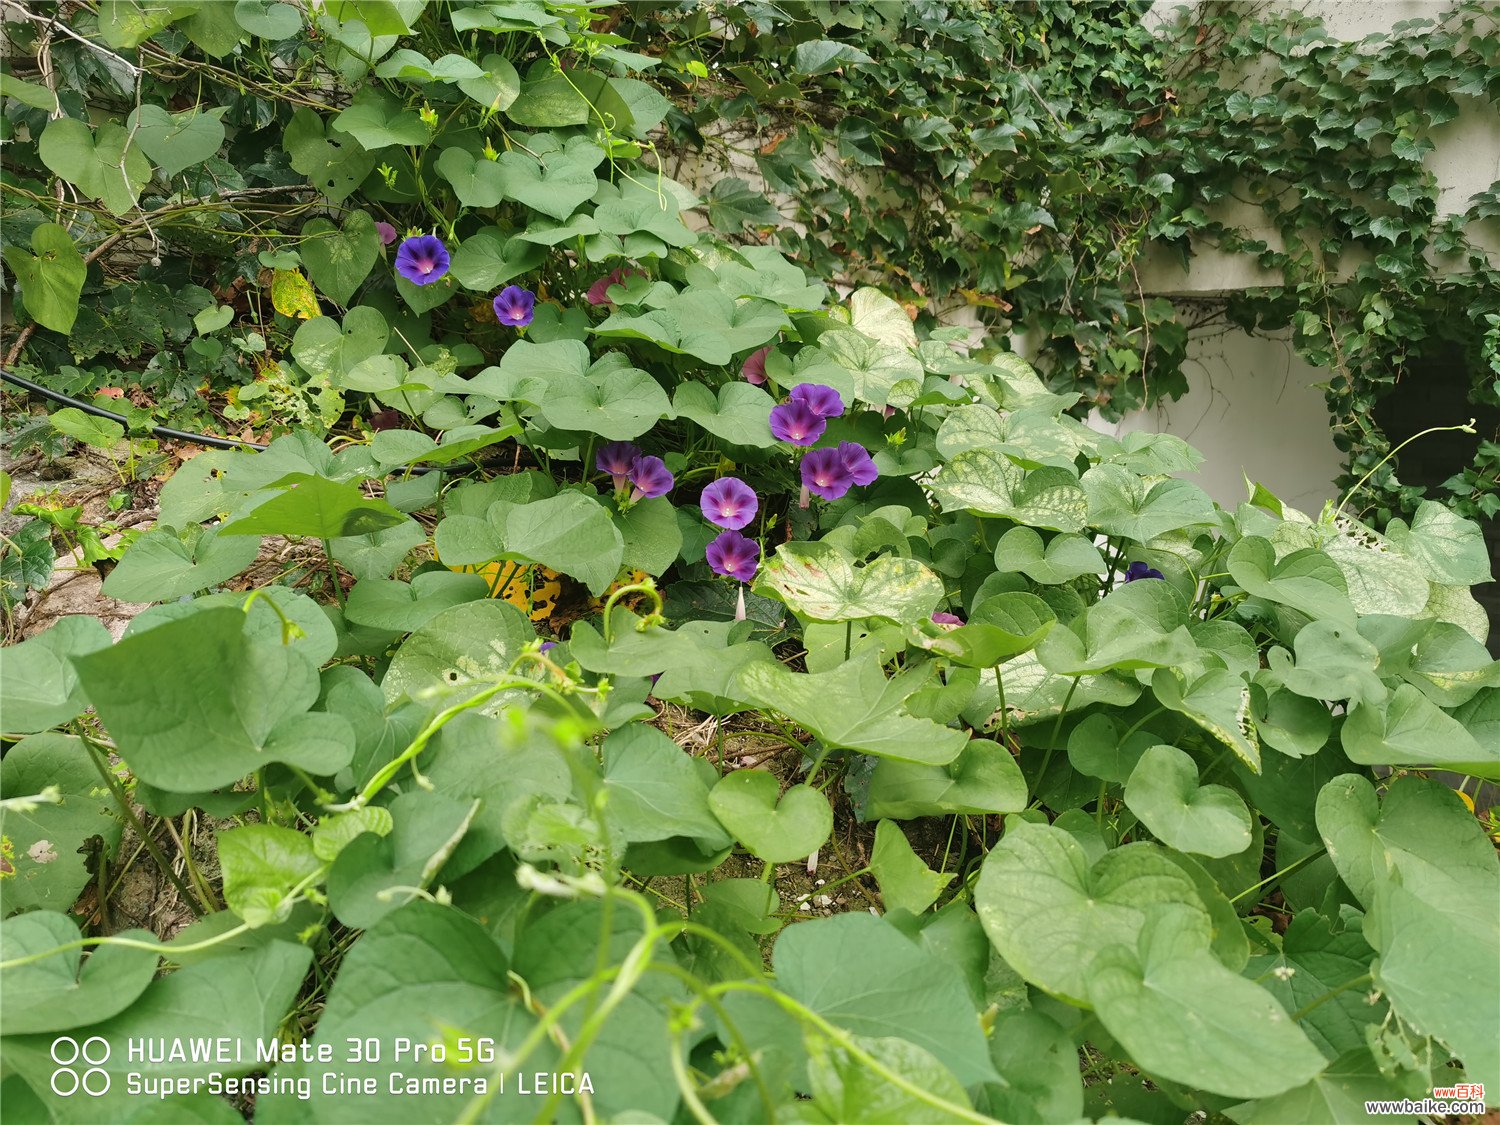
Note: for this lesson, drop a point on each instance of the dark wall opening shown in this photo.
(1434, 391)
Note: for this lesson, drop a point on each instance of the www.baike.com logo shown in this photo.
(80, 1066)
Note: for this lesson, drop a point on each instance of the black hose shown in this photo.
(99, 412)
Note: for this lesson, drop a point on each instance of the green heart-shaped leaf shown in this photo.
(655, 790)
(497, 87)
(161, 565)
(334, 163)
(1307, 580)
(821, 582)
(314, 507)
(737, 415)
(1163, 791)
(338, 260)
(52, 994)
(856, 707)
(1419, 862)
(476, 180)
(199, 702)
(1184, 1016)
(618, 404)
(490, 257)
(1121, 503)
(459, 651)
(1049, 913)
(177, 141)
(107, 165)
(1218, 701)
(38, 687)
(1138, 625)
(777, 832)
(326, 348)
(984, 779)
(403, 608)
(1064, 558)
(999, 628)
(557, 183)
(51, 276)
(425, 828)
(1410, 730)
(990, 483)
(261, 864)
(906, 883)
(376, 119)
(46, 844)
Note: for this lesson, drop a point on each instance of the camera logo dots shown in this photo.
(80, 1066)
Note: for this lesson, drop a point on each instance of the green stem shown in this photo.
(1148, 717)
(839, 1036)
(418, 744)
(122, 799)
(1056, 731)
(1004, 716)
(648, 587)
(205, 891)
(1329, 995)
(333, 573)
(1287, 870)
(1468, 429)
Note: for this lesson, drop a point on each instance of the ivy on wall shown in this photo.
(1020, 158)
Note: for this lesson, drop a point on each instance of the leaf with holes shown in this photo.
(50, 275)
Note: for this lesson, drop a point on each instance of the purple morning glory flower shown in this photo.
(387, 233)
(651, 478)
(797, 423)
(515, 306)
(823, 401)
(422, 259)
(546, 645)
(729, 502)
(733, 556)
(1139, 570)
(941, 618)
(615, 459)
(823, 474)
(598, 293)
(754, 368)
(857, 463)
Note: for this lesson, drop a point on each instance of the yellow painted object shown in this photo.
(532, 589)
(544, 595)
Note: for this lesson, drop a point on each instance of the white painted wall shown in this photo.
(1252, 411)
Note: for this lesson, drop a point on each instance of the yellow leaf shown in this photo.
(292, 295)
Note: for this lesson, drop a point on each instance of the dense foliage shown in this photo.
(1140, 780)
(1021, 159)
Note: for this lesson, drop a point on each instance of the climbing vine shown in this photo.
(1022, 159)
